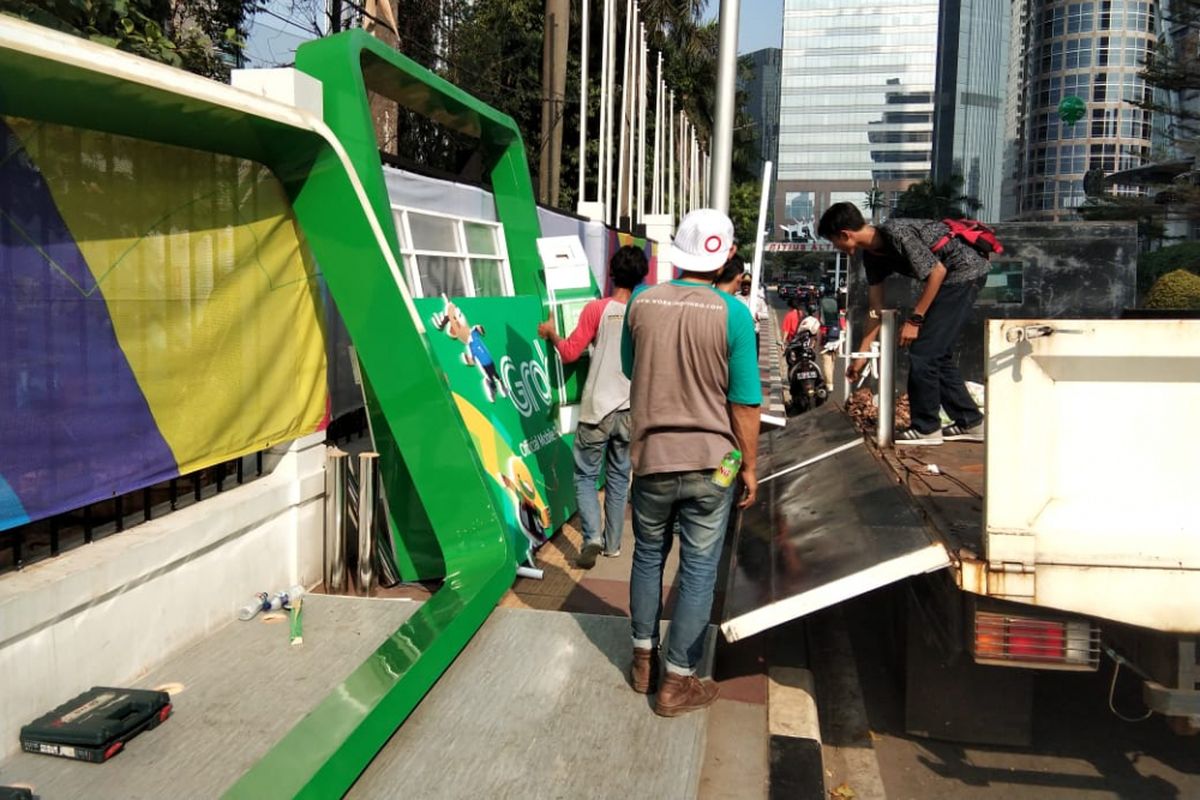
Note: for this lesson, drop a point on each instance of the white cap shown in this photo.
(702, 241)
(811, 325)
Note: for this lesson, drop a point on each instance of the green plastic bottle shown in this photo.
(728, 470)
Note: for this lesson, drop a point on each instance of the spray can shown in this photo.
(724, 474)
(266, 602)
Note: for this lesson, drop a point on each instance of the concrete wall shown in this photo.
(1070, 270)
(106, 613)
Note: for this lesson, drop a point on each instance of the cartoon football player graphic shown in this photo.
(454, 324)
(532, 514)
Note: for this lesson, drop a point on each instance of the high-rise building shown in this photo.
(1092, 51)
(856, 101)
(971, 89)
(762, 106)
(762, 100)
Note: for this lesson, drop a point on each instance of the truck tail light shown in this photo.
(1036, 642)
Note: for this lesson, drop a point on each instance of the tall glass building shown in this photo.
(971, 90)
(856, 101)
(1093, 51)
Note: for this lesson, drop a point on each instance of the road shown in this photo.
(1080, 748)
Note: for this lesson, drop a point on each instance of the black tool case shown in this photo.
(95, 725)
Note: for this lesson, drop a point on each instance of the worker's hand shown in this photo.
(750, 489)
(855, 371)
(546, 329)
(909, 334)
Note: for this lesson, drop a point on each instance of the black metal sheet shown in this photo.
(822, 533)
(806, 436)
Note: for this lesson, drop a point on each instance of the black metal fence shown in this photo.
(46, 538)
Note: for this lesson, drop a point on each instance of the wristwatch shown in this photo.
(916, 319)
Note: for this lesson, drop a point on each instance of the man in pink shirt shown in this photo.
(604, 414)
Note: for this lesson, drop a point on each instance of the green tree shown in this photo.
(203, 36)
(876, 202)
(1154, 264)
(743, 211)
(929, 199)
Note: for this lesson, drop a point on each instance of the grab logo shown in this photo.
(527, 384)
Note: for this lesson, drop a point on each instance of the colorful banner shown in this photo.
(159, 314)
(498, 372)
(617, 240)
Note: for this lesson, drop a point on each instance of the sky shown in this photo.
(762, 28)
(273, 36)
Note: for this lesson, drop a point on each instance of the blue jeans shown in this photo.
(592, 443)
(702, 509)
(933, 376)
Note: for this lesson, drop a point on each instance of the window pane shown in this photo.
(398, 217)
(432, 233)
(486, 274)
(481, 239)
(441, 275)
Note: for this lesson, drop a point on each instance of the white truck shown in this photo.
(1074, 533)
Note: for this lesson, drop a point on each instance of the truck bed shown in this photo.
(951, 501)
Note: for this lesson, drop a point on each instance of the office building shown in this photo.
(856, 102)
(971, 90)
(1093, 51)
(761, 92)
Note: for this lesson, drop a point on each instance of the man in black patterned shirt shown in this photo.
(951, 279)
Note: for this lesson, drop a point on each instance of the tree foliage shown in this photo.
(1175, 290)
(202, 36)
(1153, 265)
(929, 199)
(744, 200)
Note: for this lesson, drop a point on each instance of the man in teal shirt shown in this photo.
(689, 351)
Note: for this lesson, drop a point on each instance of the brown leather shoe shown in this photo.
(683, 693)
(644, 672)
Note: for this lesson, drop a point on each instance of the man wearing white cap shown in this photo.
(689, 352)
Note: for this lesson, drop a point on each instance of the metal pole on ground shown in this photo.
(368, 505)
(886, 429)
(621, 153)
(722, 140)
(334, 573)
(671, 162)
(583, 109)
(641, 148)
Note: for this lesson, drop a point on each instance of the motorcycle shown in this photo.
(806, 381)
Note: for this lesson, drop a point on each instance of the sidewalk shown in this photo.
(736, 750)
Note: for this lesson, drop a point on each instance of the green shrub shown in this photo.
(1178, 289)
(1152, 266)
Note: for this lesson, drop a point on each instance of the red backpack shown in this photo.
(978, 236)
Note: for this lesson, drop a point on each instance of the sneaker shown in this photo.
(615, 554)
(683, 693)
(959, 433)
(909, 436)
(587, 556)
(643, 675)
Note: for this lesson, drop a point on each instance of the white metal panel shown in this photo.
(1093, 451)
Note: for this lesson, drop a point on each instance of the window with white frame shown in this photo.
(455, 256)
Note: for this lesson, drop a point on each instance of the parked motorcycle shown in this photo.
(806, 381)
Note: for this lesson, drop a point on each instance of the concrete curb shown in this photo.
(796, 765)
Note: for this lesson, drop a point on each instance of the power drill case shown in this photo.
(95, 725)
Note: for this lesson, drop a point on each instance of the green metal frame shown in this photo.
(430, 471)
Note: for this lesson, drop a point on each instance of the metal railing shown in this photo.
(86, 524)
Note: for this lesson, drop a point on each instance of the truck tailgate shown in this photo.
(821, 532)
(1093, 448)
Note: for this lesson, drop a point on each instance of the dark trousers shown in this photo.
(933, 376)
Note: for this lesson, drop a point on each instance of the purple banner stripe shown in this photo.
(75, 427)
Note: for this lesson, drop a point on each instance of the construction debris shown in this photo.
(863, 408)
